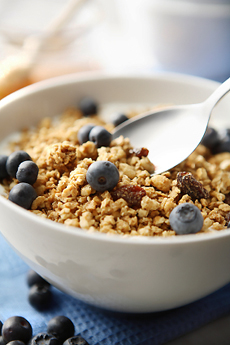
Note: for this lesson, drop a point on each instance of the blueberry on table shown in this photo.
(16, 328)
(186, 218)
(27, 172)
(102, 175)
(100, 136)
(83, 133)
(44, 339)
(14, 160)
(23, 194)
(88, 106)
(76, 340)
(118, 118)
(33, 278)
(40, 296)
(61, 327)
(3, 171)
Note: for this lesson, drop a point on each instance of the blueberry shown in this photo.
(23, 194)
(88, 106)
(61, 327)
(14, 160)
(76, 340)
(16, 328)
(118, 118)
(224, 143)
(44, 339)
(27, 172)
(40, 296)
(211, 138)
(102, 175)
(3, 171)
(33, 278)
(186, 218)
(100, 136)
(83, 133)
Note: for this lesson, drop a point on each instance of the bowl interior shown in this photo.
(52, 97)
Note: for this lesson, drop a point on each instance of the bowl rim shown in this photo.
(104, 237)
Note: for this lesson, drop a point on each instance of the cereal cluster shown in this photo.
(141, 203)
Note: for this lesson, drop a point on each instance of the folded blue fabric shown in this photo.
(97, 326)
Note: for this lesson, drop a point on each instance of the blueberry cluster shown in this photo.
(217, 141)
(17, 330)
(97, 134)
(19, 165)
(40, 294)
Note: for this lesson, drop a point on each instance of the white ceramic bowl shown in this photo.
(123, 274)
(189, 36)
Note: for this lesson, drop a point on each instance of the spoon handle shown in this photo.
(217, 95)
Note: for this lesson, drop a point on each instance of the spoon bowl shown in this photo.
(171, 134)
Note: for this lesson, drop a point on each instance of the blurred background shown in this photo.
(116, 36)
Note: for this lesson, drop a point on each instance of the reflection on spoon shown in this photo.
(171, 134)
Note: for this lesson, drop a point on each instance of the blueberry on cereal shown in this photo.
(223, 144)
(3, 171)
(23, 194)
(14, 160)
(119, 118)
(102, 175)
(88, 106)
(211, 138)
(186, 218)
(27, 172)
(100, 136)
(83, 133)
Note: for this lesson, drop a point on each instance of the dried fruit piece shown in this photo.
(189, 185)
(130, 193)
(141, 152)
(227, 199)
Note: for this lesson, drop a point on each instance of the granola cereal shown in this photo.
(141, 202)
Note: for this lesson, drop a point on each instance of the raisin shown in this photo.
(227, 199)
(189, 185)
(130, 193)
(141, 152)
(227, 217)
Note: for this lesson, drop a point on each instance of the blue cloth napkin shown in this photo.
(97, 326)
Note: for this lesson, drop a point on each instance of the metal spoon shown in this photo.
(171, 134)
